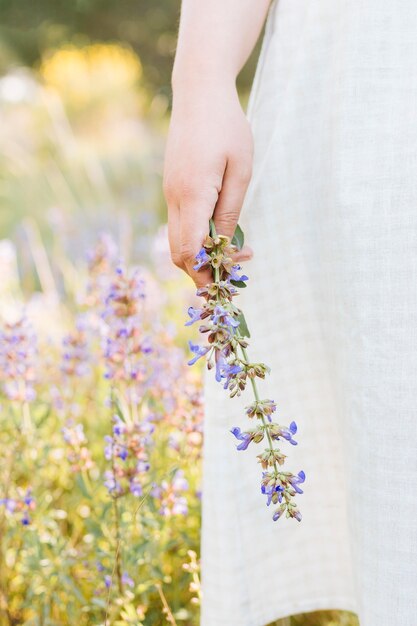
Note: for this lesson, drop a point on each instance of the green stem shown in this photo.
(256, 394)
(213, 234)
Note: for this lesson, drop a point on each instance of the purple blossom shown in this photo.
(296, 480)
(235, 276)
(18, 351)
(224, 369)
(199, 351)
(127, 580)
(194, 314)
(107, 581)
(202, 259)
(245, 437)
(269, 490)
(221, 316)
(136, 488)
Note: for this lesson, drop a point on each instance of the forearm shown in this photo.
(215, 39)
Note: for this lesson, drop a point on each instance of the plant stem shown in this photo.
(256, 394)
(118, 565)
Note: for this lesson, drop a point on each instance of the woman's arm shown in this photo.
(208, 159)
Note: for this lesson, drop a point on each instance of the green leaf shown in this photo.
(238, 283)
(238, 238)
(82, 486)
(243, 327)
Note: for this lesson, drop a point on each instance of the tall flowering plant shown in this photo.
(226, 351)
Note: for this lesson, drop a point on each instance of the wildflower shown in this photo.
(202, 259)
(234, 274)
(18, 350)
(127, 449)
(245, 437)
(199, 351)
(195, 315)
(227, 340)
(127, 580)
(76, 353)
(78, 454)
(170, 495)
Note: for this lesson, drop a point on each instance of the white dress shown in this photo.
(331, 303)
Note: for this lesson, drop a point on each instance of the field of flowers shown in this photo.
(101, 419)
(101, 433)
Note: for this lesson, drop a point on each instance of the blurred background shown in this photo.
(84, 98)
(84, 107)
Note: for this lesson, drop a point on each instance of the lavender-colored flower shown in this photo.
(107, 581)
(245, 437)
(194, 314)
(76, 350)
(235, 276)
(9, 504)
(296, 480)
(202, 259)
(127, 449)
(221, 316)
(227, 340)
(270, 490)
(124, 343)
(199, 351)
(170, 496)
(278, 431)
(18, 351)
(127, 580)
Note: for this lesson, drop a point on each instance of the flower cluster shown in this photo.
(76, 351)
(128, 450)
(23, 504)
(170, 495)
(79, 455)
(124, 341)
(225, 327)
(18, 349)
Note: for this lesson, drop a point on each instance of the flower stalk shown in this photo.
(226, 350)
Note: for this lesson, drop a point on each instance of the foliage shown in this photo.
(101, 437)
(148, 26)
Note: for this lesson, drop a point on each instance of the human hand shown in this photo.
(208, 165)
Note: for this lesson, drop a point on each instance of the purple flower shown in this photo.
(126, 580)
(270, 490)
(199, 351)
(278, 431)
(123, 453)
(277, 514)
(225, 370)
(119, 426)
(296, 480)
(202, 259)
(107, 581)
(287, 433)
(245, 437)
(221, 316)
(136, 488)
(8, 503)
(235, 276)
(195, 315)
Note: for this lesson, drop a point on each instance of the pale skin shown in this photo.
(208, 159)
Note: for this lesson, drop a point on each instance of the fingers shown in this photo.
(174, 235)
(245, 254)
(189, 215)
(229, 204)
(195, 212)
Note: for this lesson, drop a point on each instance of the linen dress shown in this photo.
(331, 303)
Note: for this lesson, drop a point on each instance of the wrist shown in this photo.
(200, 77)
